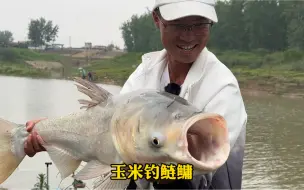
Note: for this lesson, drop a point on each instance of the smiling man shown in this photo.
(186, 63)
(187, 68)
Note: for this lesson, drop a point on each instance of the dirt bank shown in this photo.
(258, 88)
(47, 65)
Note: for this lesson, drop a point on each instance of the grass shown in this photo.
(21, 70)
(19, 55)
(276, 72)
(115, 70)
(13, 62)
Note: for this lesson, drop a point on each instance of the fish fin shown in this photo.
(143, 184)
(87, 103)
(97, 94)
(91, 170)
(65, 163)
(8, 160)
(107, 183)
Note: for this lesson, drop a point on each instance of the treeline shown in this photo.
(40, 32)
(244, 25)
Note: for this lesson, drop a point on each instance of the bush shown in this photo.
(8, 55)
(291, 59)
(234, 59)
(293, 55)
(298, 65)
(20, 55)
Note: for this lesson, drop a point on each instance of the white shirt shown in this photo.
(209, 85)
(165, 78)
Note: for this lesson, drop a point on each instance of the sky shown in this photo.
(95, 21)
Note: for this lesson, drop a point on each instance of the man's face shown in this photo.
(182, 42)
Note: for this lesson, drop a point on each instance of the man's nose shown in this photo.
(187, 35)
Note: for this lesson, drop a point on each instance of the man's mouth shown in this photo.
(187, 48)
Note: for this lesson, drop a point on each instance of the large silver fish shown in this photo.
(144, 126)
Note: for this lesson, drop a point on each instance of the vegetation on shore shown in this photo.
(13, 62)
(277, 72)
(115, 70)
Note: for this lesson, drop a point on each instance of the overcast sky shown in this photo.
(95, 21)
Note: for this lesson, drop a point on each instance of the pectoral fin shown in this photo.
(91, 170)
(65, 163)
(106, 183)
(143, 184)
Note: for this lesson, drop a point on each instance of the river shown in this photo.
(274, 150)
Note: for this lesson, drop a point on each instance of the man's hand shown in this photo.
(34, 142)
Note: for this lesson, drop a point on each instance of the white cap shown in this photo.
(175, 9)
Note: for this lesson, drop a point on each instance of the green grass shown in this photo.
(278, 70)
(18, 55)
(13, 62)
(21, 70)
(116, 69)
(291, 60)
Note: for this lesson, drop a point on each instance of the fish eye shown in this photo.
(157, 140)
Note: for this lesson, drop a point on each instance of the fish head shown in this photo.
(201, 141)
(176, 132)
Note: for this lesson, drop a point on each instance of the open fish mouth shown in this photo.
(204, 142)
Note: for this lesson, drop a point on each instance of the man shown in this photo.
(90, 76)
(203, 80)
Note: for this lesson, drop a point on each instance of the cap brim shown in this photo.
(182, 9)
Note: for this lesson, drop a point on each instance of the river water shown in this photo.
(274, 150)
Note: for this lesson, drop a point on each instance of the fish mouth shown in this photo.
(204, 142)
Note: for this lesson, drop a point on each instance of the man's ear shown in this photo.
(155, 19)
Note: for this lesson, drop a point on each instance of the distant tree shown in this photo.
(41, 32)
(41, 184)
(110, 47)
(6, 37)
(140, 34)
(116, 47)
(293, 12)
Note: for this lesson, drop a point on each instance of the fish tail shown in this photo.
(9, 157)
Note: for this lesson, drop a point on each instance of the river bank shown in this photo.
(258, 72)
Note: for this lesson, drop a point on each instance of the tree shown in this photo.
(6, 37)
(41, 184)
(110, 47)
(266, 25)
(294, 14)
(41, 32)
(140, 34)
(230, 32)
